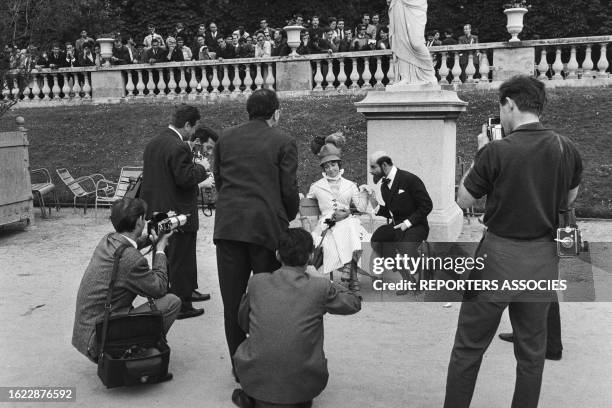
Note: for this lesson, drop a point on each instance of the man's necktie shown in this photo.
(384, 190)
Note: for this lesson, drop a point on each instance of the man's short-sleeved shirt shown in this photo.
(526, 177)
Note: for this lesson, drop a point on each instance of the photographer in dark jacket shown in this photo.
(528, 177)
(170, 183)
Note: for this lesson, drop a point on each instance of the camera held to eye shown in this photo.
(495, 131)
(197, 149)
(163, 223)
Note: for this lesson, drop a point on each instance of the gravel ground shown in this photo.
(390, 354)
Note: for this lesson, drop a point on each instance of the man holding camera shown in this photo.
(170, 183)
(528, 177)
(134, 276)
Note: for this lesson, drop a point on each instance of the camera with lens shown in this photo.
(495, 131)
(164, 223)
(569, 239)
(197, 149)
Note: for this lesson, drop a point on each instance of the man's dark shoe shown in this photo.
(168, 377)
(187, 311)
(241, 399)
(554, 356)
(507, 337)
(199, 297)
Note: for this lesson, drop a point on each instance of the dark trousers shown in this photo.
(235, 262)
(478, 322)
(387, 241)
(553, 324)
(182, 264)
(479, 319)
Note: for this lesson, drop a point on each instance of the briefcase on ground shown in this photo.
(132, 347)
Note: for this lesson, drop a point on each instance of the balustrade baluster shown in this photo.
(587, 64)
(215, 82)
(572, 65)
(172, 91)
(602, 64)
(558, 66)
(470, 69)
(367, 74)
(66, 88)
(270, 78)
(76, 88)
(225, 83)
(484, 67)
(35, 87)
(543, 66)
(258, 75)
(140, 85)
(443, 71)
(342, 77)
(248, 79)
(456, 70)
(318, 77)
(193, 84)
(379, 75)
(204, 82)
(86, 86)
(182, 81)
(236, 82)
(46, 90)
(150, 83)
(56, 88)
(15, 91)
(26, 93)
(354, 75)
(330, 78)
(129, 87)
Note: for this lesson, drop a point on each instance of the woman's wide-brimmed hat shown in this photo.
(329, 152)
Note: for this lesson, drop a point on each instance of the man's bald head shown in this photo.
(380, 163)
(377, 155)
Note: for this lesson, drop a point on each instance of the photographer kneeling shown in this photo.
(134, 276)
(281, 363)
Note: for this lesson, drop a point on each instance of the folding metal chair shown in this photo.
(81, 187)
(43, 185)
(107, 192)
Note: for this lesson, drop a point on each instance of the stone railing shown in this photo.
(556, 59)
(565, 62)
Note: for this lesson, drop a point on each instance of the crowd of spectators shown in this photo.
(209, 43)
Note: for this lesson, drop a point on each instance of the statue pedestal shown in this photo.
(416, 126)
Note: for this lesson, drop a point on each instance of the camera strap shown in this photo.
(109, 295)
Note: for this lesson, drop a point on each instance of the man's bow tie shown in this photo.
(386, 181)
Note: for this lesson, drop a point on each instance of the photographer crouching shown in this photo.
(528, 176)
(134, 276)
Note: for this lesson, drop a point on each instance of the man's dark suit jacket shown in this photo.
(59, 60)
(226, 53)
(170, 179)
(255, 174)
(409, 200)
(134, 277)
(123, 56)
(283, 360)
(211, 41)
(159, 55)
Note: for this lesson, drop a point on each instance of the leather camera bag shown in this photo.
(132, 347)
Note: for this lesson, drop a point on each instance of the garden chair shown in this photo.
(107, 192)
(43, 185)
(82, 187)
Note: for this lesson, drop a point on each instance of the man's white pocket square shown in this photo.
(400, 191)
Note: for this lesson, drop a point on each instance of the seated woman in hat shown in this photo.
(334, 194)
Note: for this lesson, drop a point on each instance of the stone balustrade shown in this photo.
(563, 62)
